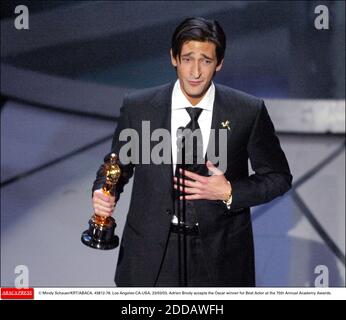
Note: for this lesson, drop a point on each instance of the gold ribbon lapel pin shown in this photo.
(225, 124)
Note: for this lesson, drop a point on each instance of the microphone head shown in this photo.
(179, 132)
(180, 138)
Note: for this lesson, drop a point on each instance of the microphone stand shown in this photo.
(182, 252)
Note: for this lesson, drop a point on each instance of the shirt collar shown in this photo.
(179, 101)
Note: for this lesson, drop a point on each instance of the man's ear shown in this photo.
(218, 68)
(173, 60)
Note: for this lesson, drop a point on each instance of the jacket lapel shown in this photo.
(223, 118)
(160, 115)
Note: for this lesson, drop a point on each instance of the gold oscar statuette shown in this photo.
(100, 234)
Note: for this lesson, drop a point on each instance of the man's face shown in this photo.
(196, 68)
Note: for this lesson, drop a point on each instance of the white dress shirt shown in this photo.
(180, 117)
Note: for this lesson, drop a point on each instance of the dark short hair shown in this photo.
(199, 29)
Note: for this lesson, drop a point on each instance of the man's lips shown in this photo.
(194, 83)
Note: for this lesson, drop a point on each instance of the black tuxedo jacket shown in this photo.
(226, 234)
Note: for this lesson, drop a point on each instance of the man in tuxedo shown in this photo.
(189, 224)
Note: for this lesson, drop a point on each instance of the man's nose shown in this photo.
(196, 70)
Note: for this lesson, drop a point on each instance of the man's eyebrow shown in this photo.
(205, 56)
(191, 53)
(187, 54)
